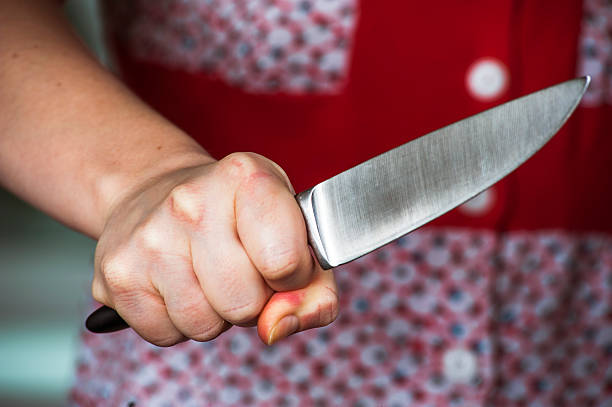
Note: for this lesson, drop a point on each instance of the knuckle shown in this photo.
(149, 237)
(116, 274)
(185, 204)
(328, 306)
(241, 164)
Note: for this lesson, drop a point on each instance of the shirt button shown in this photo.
(480, 204)
(487, 79)
(459, 365)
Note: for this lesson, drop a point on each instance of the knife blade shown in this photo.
(390, 195)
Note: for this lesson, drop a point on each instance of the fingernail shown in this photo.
(286, 326)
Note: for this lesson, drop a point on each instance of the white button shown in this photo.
(480, 204)
(487, 79)
(459, 365)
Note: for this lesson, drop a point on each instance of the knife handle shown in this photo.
(105, 320)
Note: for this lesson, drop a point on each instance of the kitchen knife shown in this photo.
(390, 195)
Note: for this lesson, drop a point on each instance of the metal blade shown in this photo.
(394, 193)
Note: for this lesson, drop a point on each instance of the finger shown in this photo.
(292, 311)
(228, 279)
(272, 230)
(187, 305)
(146, 313)
(135, 300)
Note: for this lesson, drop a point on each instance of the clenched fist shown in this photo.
(200, 249)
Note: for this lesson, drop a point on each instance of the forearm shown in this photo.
(73, 140)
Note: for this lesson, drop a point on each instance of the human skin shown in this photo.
(187, 245)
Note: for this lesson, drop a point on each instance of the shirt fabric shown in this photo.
(505, 301)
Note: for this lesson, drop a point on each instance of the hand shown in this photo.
(200, 249)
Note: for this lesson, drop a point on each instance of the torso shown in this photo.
(504, 301)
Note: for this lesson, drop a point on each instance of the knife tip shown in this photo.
(587, 80)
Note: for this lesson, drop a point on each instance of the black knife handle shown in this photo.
(105, 320)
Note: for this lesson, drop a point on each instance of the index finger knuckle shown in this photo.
(241, 165)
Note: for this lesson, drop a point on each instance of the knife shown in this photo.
(390, 195)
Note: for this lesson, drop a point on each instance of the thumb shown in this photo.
(287, 312)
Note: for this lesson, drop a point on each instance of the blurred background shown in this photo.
(45, 273)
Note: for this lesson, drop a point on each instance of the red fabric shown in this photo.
(407, 77)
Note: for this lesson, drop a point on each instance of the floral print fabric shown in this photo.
(293, 46)
(596, 51)
(441, 317)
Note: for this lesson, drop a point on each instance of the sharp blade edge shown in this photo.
(396, 192)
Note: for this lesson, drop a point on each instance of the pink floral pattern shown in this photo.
(596, 51)
(532, 310)
(291, 46)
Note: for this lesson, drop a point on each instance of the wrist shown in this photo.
(117, 184)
